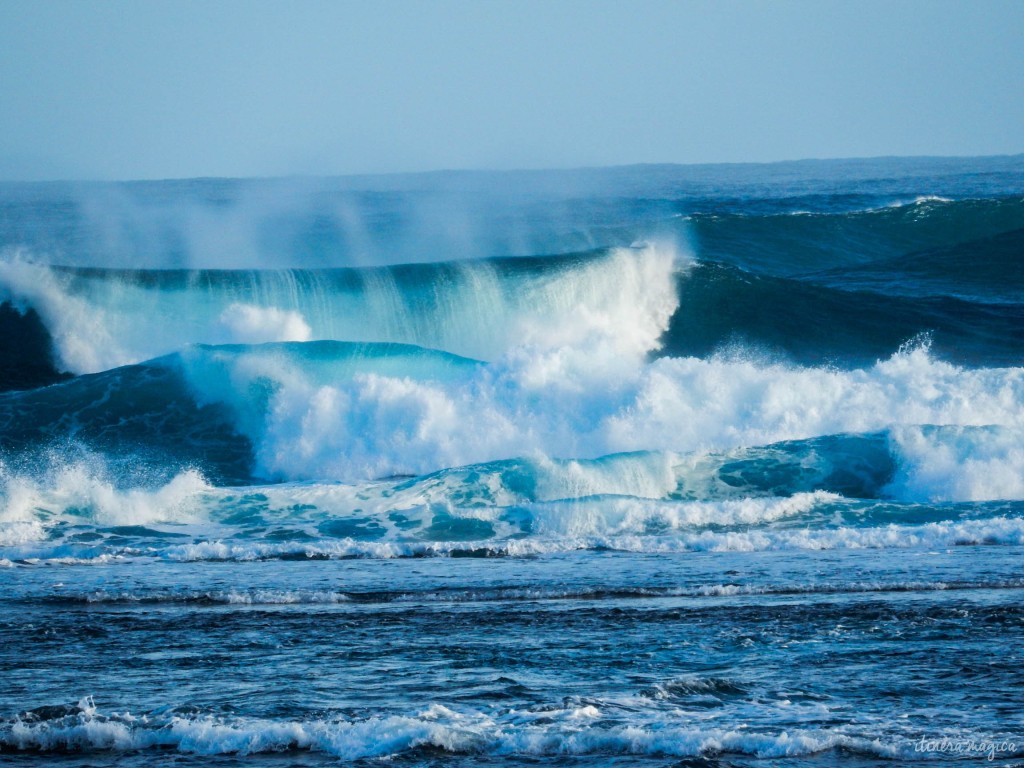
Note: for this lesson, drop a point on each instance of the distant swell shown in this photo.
(787, 242)
(836, 321)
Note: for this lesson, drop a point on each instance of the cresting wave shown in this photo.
(783, 496)
(442, 371)
(854, 285)
(358, 412)
(100, 319)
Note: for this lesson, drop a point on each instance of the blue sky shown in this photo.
(114, 90)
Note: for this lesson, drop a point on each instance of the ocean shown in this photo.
(651, 465)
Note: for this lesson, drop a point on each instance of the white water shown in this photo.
(622, 300)
(570, 403)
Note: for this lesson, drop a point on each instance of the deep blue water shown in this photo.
(657, 465)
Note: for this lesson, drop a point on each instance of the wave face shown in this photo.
(99, 318)
(622, 464)
(838, 318)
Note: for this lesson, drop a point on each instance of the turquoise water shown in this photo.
(659, 465)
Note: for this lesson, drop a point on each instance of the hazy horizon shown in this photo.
(239, 90)
(540, 170)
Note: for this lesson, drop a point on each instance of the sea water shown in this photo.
(720, 464)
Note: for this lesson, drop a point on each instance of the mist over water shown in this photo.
(609, 464)
(358, 221)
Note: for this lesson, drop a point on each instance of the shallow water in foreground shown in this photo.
(849, 656)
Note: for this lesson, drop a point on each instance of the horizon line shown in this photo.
(512, 171)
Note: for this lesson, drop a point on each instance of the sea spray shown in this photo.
(718, 463)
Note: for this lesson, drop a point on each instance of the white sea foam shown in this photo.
(516, 508)
(922, 202)
(81, 331)
(610, 519)
(20, 532)
(573, 729)
(649, 539)
(250, 324)
(81, 489)
(994, 531)
(554, 404)
(958, 463)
